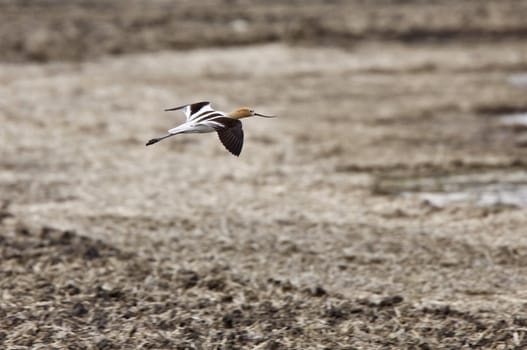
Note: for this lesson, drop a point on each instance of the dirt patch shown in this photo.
(86, 293)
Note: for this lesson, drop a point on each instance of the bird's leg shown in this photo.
(157, 139)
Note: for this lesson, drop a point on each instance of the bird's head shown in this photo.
(246, 112)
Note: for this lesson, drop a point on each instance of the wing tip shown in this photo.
(230, 142)
(234, 153)
(174, 108)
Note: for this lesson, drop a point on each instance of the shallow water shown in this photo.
(515, 119)
(518, 79)
(480, 189)
(481, 196)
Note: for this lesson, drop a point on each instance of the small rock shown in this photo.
(104, 344)
(187, 278)
(391, 301)
(101, 292)
(216, 284)
(72, 289)
(91, 253)
(79, 310)
(22, 230)
(317, 291)
(232, 318)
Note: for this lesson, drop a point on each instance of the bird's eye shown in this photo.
(252, 110)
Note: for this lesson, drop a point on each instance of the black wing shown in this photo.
(230, 133)
(191, 110)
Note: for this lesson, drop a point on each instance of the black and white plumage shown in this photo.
(202, 118)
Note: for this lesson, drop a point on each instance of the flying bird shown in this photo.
(202, 118)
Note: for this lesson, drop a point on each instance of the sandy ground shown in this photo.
(384, 208)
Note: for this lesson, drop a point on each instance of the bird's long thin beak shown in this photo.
(265, 116)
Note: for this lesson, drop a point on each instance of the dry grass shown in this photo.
(105, 243)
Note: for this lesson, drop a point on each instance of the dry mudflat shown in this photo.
(386, 207)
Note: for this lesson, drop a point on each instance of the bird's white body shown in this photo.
(201, 118)
(191, 128)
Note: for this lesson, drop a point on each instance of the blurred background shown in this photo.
(47, 30)
(385, 207)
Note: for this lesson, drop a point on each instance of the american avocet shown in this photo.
(202, 118)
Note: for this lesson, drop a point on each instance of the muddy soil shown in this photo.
(385, 207)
